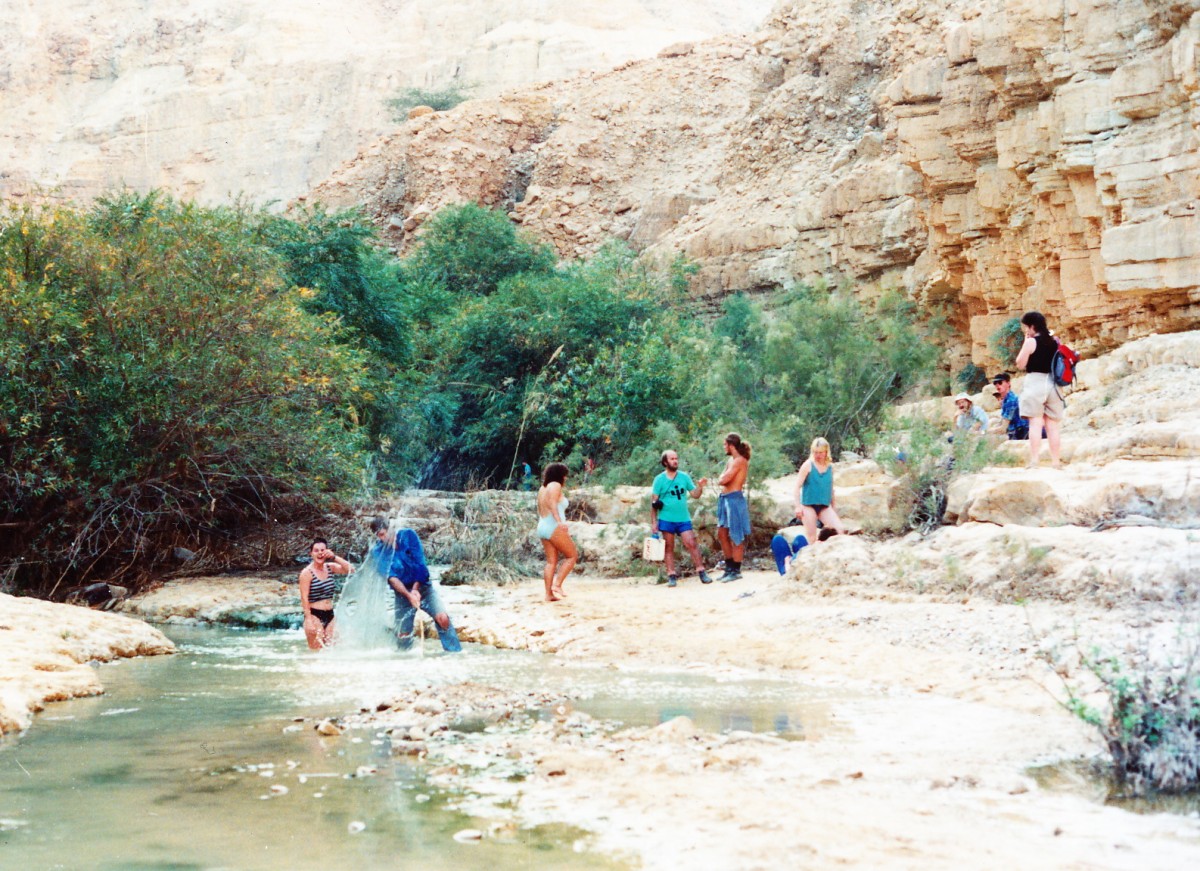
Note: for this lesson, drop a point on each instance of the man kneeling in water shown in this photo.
(401, 558)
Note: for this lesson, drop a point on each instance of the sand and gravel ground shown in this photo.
(923, 762)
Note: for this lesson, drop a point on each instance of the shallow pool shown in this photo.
(198, 760)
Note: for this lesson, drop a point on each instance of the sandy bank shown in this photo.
(46, 651)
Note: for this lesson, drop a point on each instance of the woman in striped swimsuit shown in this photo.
(316, 593)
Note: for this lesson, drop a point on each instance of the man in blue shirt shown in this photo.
(401, 559)
(1010, 407)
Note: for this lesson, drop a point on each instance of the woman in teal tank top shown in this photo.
(814, 492)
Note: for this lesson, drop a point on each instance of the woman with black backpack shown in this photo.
(1041, 400)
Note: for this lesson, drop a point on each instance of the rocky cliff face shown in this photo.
(988, 156)
(215, 98)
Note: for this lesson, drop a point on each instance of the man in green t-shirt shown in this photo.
(669, 513)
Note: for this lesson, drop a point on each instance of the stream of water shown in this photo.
(197, 761)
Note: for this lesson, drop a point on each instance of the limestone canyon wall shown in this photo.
(987, 156)
(218, 98)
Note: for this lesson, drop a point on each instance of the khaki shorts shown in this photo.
(1040, 397)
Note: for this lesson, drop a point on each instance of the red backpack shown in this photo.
(1062, 367)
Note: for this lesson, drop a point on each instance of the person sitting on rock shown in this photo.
(970, 418)
(401, 559)
(1010, 407)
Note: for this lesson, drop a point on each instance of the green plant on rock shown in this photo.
(1006, 342)
(921, 455)
(438, 99)
(971, 378)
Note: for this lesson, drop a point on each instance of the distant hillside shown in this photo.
(215, 98)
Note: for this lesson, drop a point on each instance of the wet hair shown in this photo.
(740, 446)
(819, 444)
(317, 541)
(555, 473)
(379, 524)
(663, 459)
(1037, 320)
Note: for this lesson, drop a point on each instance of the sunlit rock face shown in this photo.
(987, 157)
(217, 98)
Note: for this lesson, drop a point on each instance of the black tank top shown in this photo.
(1043, 356)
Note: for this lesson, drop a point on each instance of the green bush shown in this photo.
(551, 361)
(1006, 342)
(438, 99)
(1151, 725)
(161, 383)
(467, 250)
(971, 378)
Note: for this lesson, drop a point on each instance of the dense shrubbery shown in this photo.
(170, 370)
(818, 364)
(159, 378)
(521, 357)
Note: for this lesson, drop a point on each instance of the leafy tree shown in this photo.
(468, 250)
(160, 383)
(334, 255)
(554, 359)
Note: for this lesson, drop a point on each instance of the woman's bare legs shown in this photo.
(1053, 433)
(1035, 438)
(561, 540)
(548, 571)
(809, 518)
(830, 519)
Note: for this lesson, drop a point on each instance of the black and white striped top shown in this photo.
(320, 589)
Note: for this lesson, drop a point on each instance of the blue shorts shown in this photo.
(674, 527)
(734, 514)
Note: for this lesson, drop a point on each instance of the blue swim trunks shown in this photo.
(734, 514)
(674, 527)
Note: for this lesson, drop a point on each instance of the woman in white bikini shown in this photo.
(316, 593)
(561, 553)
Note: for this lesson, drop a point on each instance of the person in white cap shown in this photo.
(971, 418)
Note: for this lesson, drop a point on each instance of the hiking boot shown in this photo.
(731, 575)
(672, 580)
(704, 578)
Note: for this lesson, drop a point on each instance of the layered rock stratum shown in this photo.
(988, 157)
(213, 99)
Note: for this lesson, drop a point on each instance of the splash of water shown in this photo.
(364, 612)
